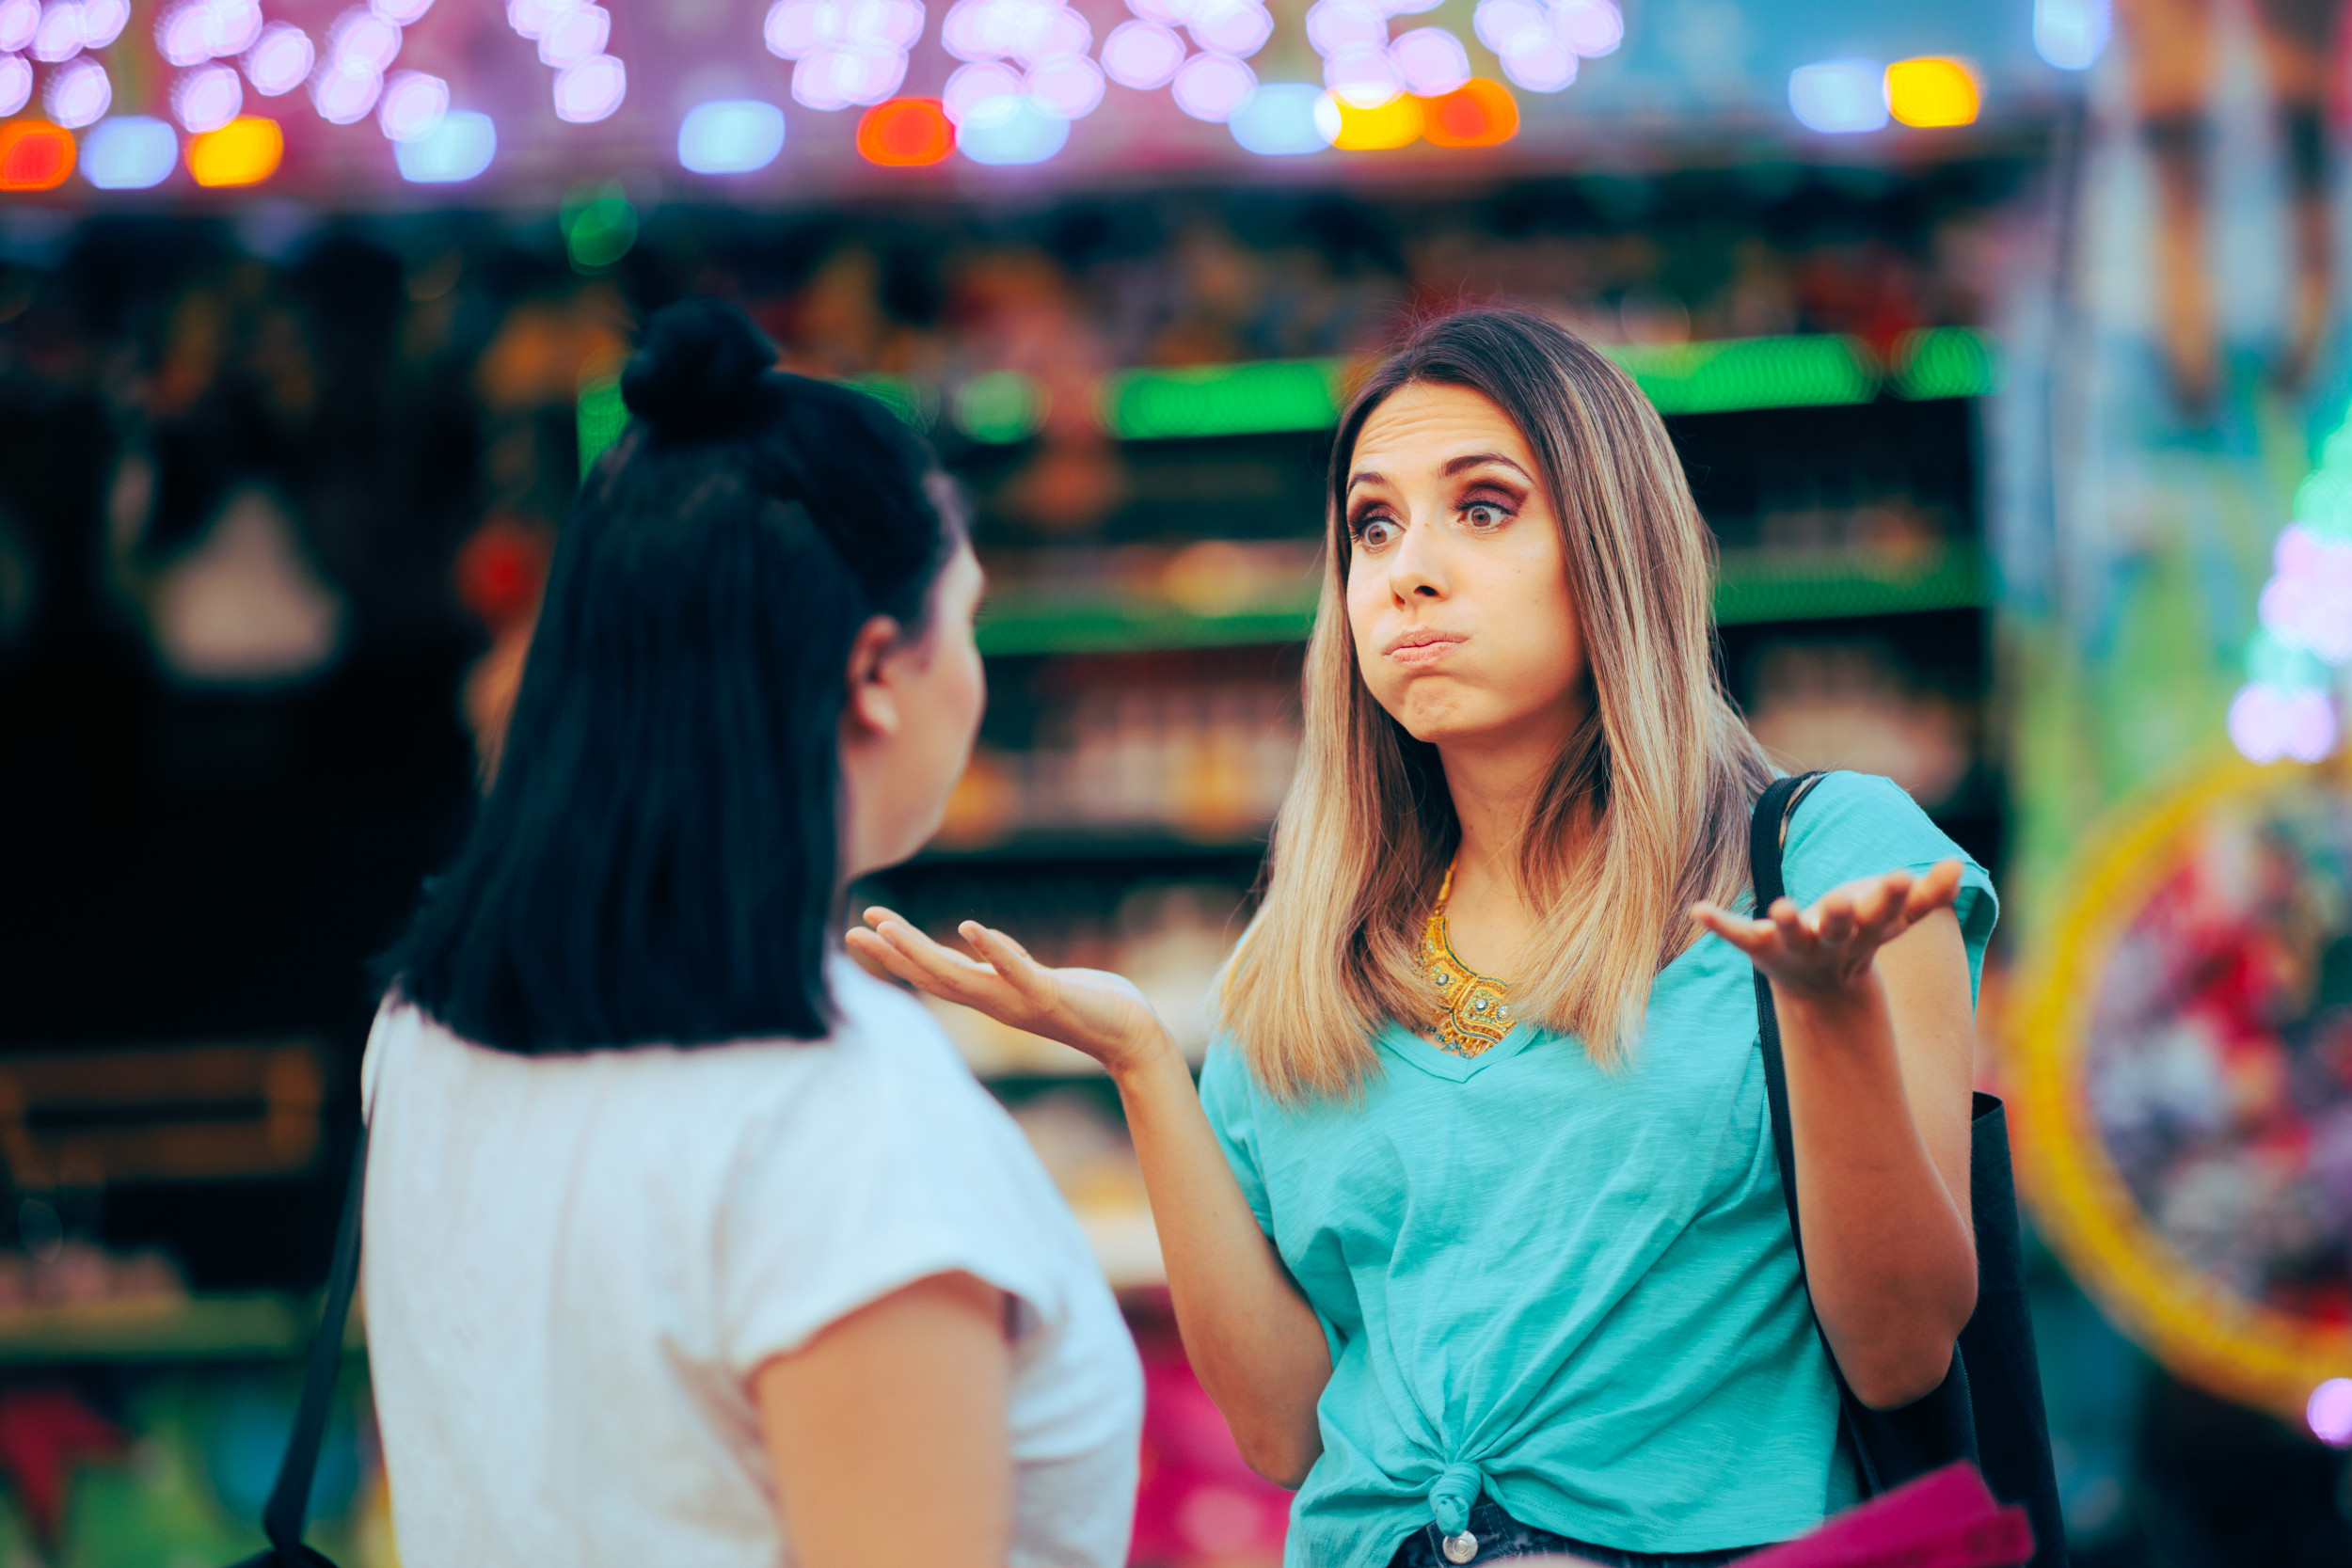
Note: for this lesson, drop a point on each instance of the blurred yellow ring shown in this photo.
(2196, 1327)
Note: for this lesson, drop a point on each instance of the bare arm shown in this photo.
(1251, 1337)
(887, 1433)
(1871, 987)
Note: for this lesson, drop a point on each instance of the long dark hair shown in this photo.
(657, 859)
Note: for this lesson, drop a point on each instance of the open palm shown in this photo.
(1090, 1010)
(1829, 947)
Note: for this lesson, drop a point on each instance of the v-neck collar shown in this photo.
(1438, 1062)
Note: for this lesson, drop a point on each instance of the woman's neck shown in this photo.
(1495, 788)
(1492, 794)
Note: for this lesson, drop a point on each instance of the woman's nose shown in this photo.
(1416, 571)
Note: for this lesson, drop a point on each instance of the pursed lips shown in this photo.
(1423, 645)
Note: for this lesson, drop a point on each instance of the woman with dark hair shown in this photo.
(688, 1242)
(1481, 1240)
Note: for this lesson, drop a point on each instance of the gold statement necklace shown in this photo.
(1473, 1009)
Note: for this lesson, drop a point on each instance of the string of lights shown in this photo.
(1026, 72)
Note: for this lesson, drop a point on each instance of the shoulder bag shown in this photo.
(1988, 1409)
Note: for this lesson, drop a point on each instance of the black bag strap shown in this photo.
(1768, 832)
(287, 1515)
(1892, 1445)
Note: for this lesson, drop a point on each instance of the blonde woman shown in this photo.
(1473, 1226)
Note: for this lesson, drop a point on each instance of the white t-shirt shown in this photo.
(575, 1264)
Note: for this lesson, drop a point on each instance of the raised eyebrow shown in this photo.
(1366, 476)
(1479, 459)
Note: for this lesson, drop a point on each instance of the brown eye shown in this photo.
(1485, 515)
(1374, 533)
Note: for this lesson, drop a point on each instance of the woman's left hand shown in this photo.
(1827, 950)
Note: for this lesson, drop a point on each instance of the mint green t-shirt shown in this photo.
(1572, 1290)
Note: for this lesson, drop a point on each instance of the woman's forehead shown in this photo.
(1422, 427)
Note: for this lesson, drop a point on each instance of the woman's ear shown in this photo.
(872, 706)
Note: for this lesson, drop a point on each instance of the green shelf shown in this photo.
(1046, 622)
(256, 1326)
(1269, 396)
(1751, 588)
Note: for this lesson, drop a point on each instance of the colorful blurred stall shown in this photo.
(2000, 343)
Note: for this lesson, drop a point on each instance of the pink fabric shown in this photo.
(1944, 1519)
(1200, 1504)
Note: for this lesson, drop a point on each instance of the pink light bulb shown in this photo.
(1432, 60)
(343, 91)
(207, 98)
(1142, 54)
(590, 89)
(78, 93)
(280, 61)
(1070, 85)
(59, 35)
(413, 106)
(1335, 26)
(2330, 1412)
(576, 35)
(1235, 27)
(102, 21)
(1214, 87)
(974, 85)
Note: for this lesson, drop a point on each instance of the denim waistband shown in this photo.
(1499, 1537)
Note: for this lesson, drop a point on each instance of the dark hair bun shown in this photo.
(697, 368)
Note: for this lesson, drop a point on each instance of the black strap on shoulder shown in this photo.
(1891, 1446)
(288, 1512)
(1767, 835)
(1767, 831)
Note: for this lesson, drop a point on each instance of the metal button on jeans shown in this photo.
(1460, 1549)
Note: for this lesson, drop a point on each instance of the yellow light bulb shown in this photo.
(1931, 91)
(244, 151)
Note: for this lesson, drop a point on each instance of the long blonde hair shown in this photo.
(1644, 812)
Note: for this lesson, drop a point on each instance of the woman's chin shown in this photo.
(1448, 724)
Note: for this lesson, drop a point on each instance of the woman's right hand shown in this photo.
(1255, 1343)
(1088, 1009)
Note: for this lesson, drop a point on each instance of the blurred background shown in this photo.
(2004, 345)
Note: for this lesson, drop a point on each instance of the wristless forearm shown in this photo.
(1888, 1250)
(1252, 1340)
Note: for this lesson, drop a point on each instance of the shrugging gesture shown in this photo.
(1466, 1058)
